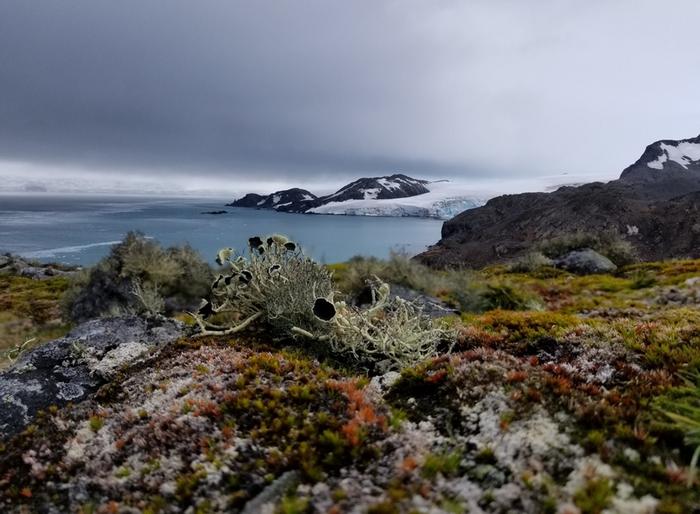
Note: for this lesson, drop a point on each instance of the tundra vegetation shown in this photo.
(548, 392)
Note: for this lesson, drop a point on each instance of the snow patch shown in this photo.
(370, 194)
(387, 184)
(683, 153)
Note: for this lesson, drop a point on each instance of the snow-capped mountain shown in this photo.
(280, 200)
(667, 155)
(666, 168)
(394, 195)
(379, 188)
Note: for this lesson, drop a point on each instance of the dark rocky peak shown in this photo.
(249, 200)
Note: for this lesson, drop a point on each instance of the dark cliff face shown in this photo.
(654, 207)
(300, 200)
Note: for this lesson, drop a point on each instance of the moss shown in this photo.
(446, 464)
(96, 423)
(485, 456)
(293, 505)
(30, 310)
(385, 507)
(594, 497)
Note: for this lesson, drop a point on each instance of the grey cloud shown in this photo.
(320, 89)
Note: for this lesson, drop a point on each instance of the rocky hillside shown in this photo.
(654, 206)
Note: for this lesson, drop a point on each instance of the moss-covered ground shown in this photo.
(30, 310)
(555, 405)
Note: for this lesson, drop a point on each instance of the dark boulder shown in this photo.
(585, 262)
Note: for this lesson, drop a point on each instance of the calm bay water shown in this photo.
(81, 229)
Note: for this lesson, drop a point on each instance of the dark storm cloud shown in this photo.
(319, 88)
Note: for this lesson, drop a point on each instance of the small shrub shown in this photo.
(682, 406)
(609, 243)
(139, 276)
(531, 261)
(642, 280)
(507, 297)
(499, 295)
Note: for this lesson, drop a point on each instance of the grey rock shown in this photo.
(72, 368)
(273, 493)
(585, 262)
(42, 272)
(432, 307)
(15, 265)
(692, 282)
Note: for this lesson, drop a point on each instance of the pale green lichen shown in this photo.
(277, 285)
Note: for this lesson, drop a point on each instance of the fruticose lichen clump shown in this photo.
(277, 286)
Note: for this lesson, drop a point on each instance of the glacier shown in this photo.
(443, 201)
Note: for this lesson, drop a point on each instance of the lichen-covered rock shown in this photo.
(585, 262)
(71, 368)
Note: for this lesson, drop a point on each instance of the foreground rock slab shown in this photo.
(70, 369)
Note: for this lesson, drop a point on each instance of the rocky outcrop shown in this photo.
(14, 265)
(249, 200)
(72, 368)
(655, 206)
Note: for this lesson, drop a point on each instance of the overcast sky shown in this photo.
(318, 92)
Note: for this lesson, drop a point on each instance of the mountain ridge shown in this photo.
(300, 200)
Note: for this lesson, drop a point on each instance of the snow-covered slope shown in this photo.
(443, 200)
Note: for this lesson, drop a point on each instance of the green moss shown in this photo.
(123, 472)
(293, 505)
(485, 456)
(96, 423)
(385, 507)
(30, 310)
(446, 464)
(594, 497)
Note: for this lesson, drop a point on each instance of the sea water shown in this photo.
(81, 229)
